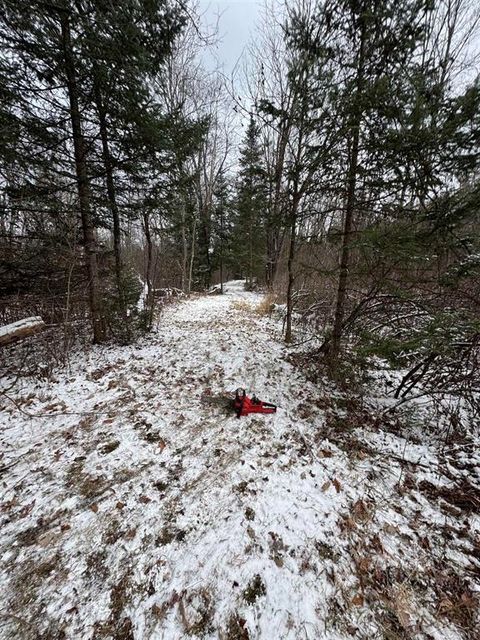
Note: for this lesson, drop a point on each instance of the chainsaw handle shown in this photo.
(240, 395)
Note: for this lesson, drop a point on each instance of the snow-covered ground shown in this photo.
(134, 504)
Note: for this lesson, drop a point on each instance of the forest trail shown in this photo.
(135, 506)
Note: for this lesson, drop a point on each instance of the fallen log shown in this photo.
(20, 329)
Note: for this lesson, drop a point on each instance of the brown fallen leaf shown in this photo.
(401, 599)
(160, 611)
(6, 506)
(357, 600)
(48, 539)
(348, 524)
(424, 542)
(144, 499)
(360, 511)
(363, 564)
(326, 485)
(337, 485)
(445, 604)
(390, 528)
(120, 505)
(377, 544)
(175, 597)
(94, 507)
(325, 453)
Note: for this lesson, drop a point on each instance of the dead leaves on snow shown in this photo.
(335, 483)
(456, 600)
(360, 511)
(464, 497)
(236, 629)
(325, 453)
(196, 612)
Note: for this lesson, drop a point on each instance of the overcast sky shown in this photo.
(237, 22)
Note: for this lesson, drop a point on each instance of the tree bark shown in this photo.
(112, 200)
(221, 245)
(82, 183)
(192, 255)
(149, 271)
(350, 205)
(184, 276)
(291, 257)
(273, 244)
(204, 230)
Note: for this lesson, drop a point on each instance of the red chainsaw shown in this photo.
(245, 405)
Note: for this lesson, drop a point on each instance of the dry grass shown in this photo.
(264, 308)
(267, 305)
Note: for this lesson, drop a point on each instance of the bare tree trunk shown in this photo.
(184, 275)
(221, 247)
(291, 255)
(150, 301)
(273, 232)
(204, 228)
(112, 201)
(82, 184)
(192, 255)
(204, 235)
(290, 262)
(251, 254)
(66, 319)
(350, 206)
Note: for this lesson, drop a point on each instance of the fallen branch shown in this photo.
(20, 329)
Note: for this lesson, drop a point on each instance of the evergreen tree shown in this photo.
(222, 230)
(401, 137)
(89, 62)
(251, 203)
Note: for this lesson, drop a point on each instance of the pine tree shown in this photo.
(370, 48)
(87, 63)
(222, 230)
(250, 209)
(122, 49)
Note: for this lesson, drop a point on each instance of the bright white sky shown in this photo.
(237, 22)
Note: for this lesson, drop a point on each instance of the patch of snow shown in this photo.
(131, 497)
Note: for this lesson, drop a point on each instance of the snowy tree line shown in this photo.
(352, 196)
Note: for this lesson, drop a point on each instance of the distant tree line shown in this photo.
(353, 194)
